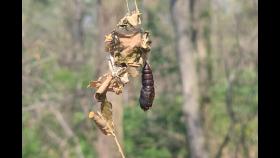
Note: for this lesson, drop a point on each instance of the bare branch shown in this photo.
(225, 141)
(67, 129)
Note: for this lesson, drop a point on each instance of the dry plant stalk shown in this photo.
(128, 46)
(105, 127)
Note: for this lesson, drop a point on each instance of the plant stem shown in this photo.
(118, 144)
(127, 6)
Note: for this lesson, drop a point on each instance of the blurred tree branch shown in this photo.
(67, 130)
(182, 15)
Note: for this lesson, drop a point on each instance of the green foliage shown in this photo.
(87, 148)
(65, 78)
(78, 117)
(31, 143)
(156, 126)
(217, 110)
(244, 106)
(156, 153)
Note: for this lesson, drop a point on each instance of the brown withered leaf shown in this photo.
(117, 89)
(107, 111)
(134, 18)
(141, 61)
(124, 78)
(146, 41)
(98, 83)
(116, 86)
(94, 84)
(108, 38)
(118, 58)
(105, 84)
(132, 57)
(101, 85)
(130, 43)
(101, 123)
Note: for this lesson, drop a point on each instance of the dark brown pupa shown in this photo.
(147, 93)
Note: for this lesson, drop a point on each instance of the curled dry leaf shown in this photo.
(132, 19)
(146, 41)
(107, 112)
(101, 123)
(101, 85)
(112, 43)
(106, 83)
(128, 44)
(116, 86)
(99, 82)
(108, 38)
(124, 78)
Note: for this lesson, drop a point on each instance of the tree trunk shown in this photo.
(107, 15)
(100, 54)
(205, 61)
(181, 13)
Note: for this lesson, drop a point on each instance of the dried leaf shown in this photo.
(141, 61)
(116, 86)
(131, 42)
(106, 111)
(98, 83)
(101, 85)
(131, 19)
(108, 38)
(146, 42)
(119, 59)
(101, 123)
(94, 84)
(134, 18)
(124, 78)
(104, 84)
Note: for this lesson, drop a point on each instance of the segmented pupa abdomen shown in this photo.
(147, 93)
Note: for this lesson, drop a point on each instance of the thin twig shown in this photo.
(116, 140)
(68, 131)
(108, 131)
(118, 144)
(127, 6)
(225, 141)
(136, 7)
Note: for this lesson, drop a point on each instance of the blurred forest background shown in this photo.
(205, 62)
